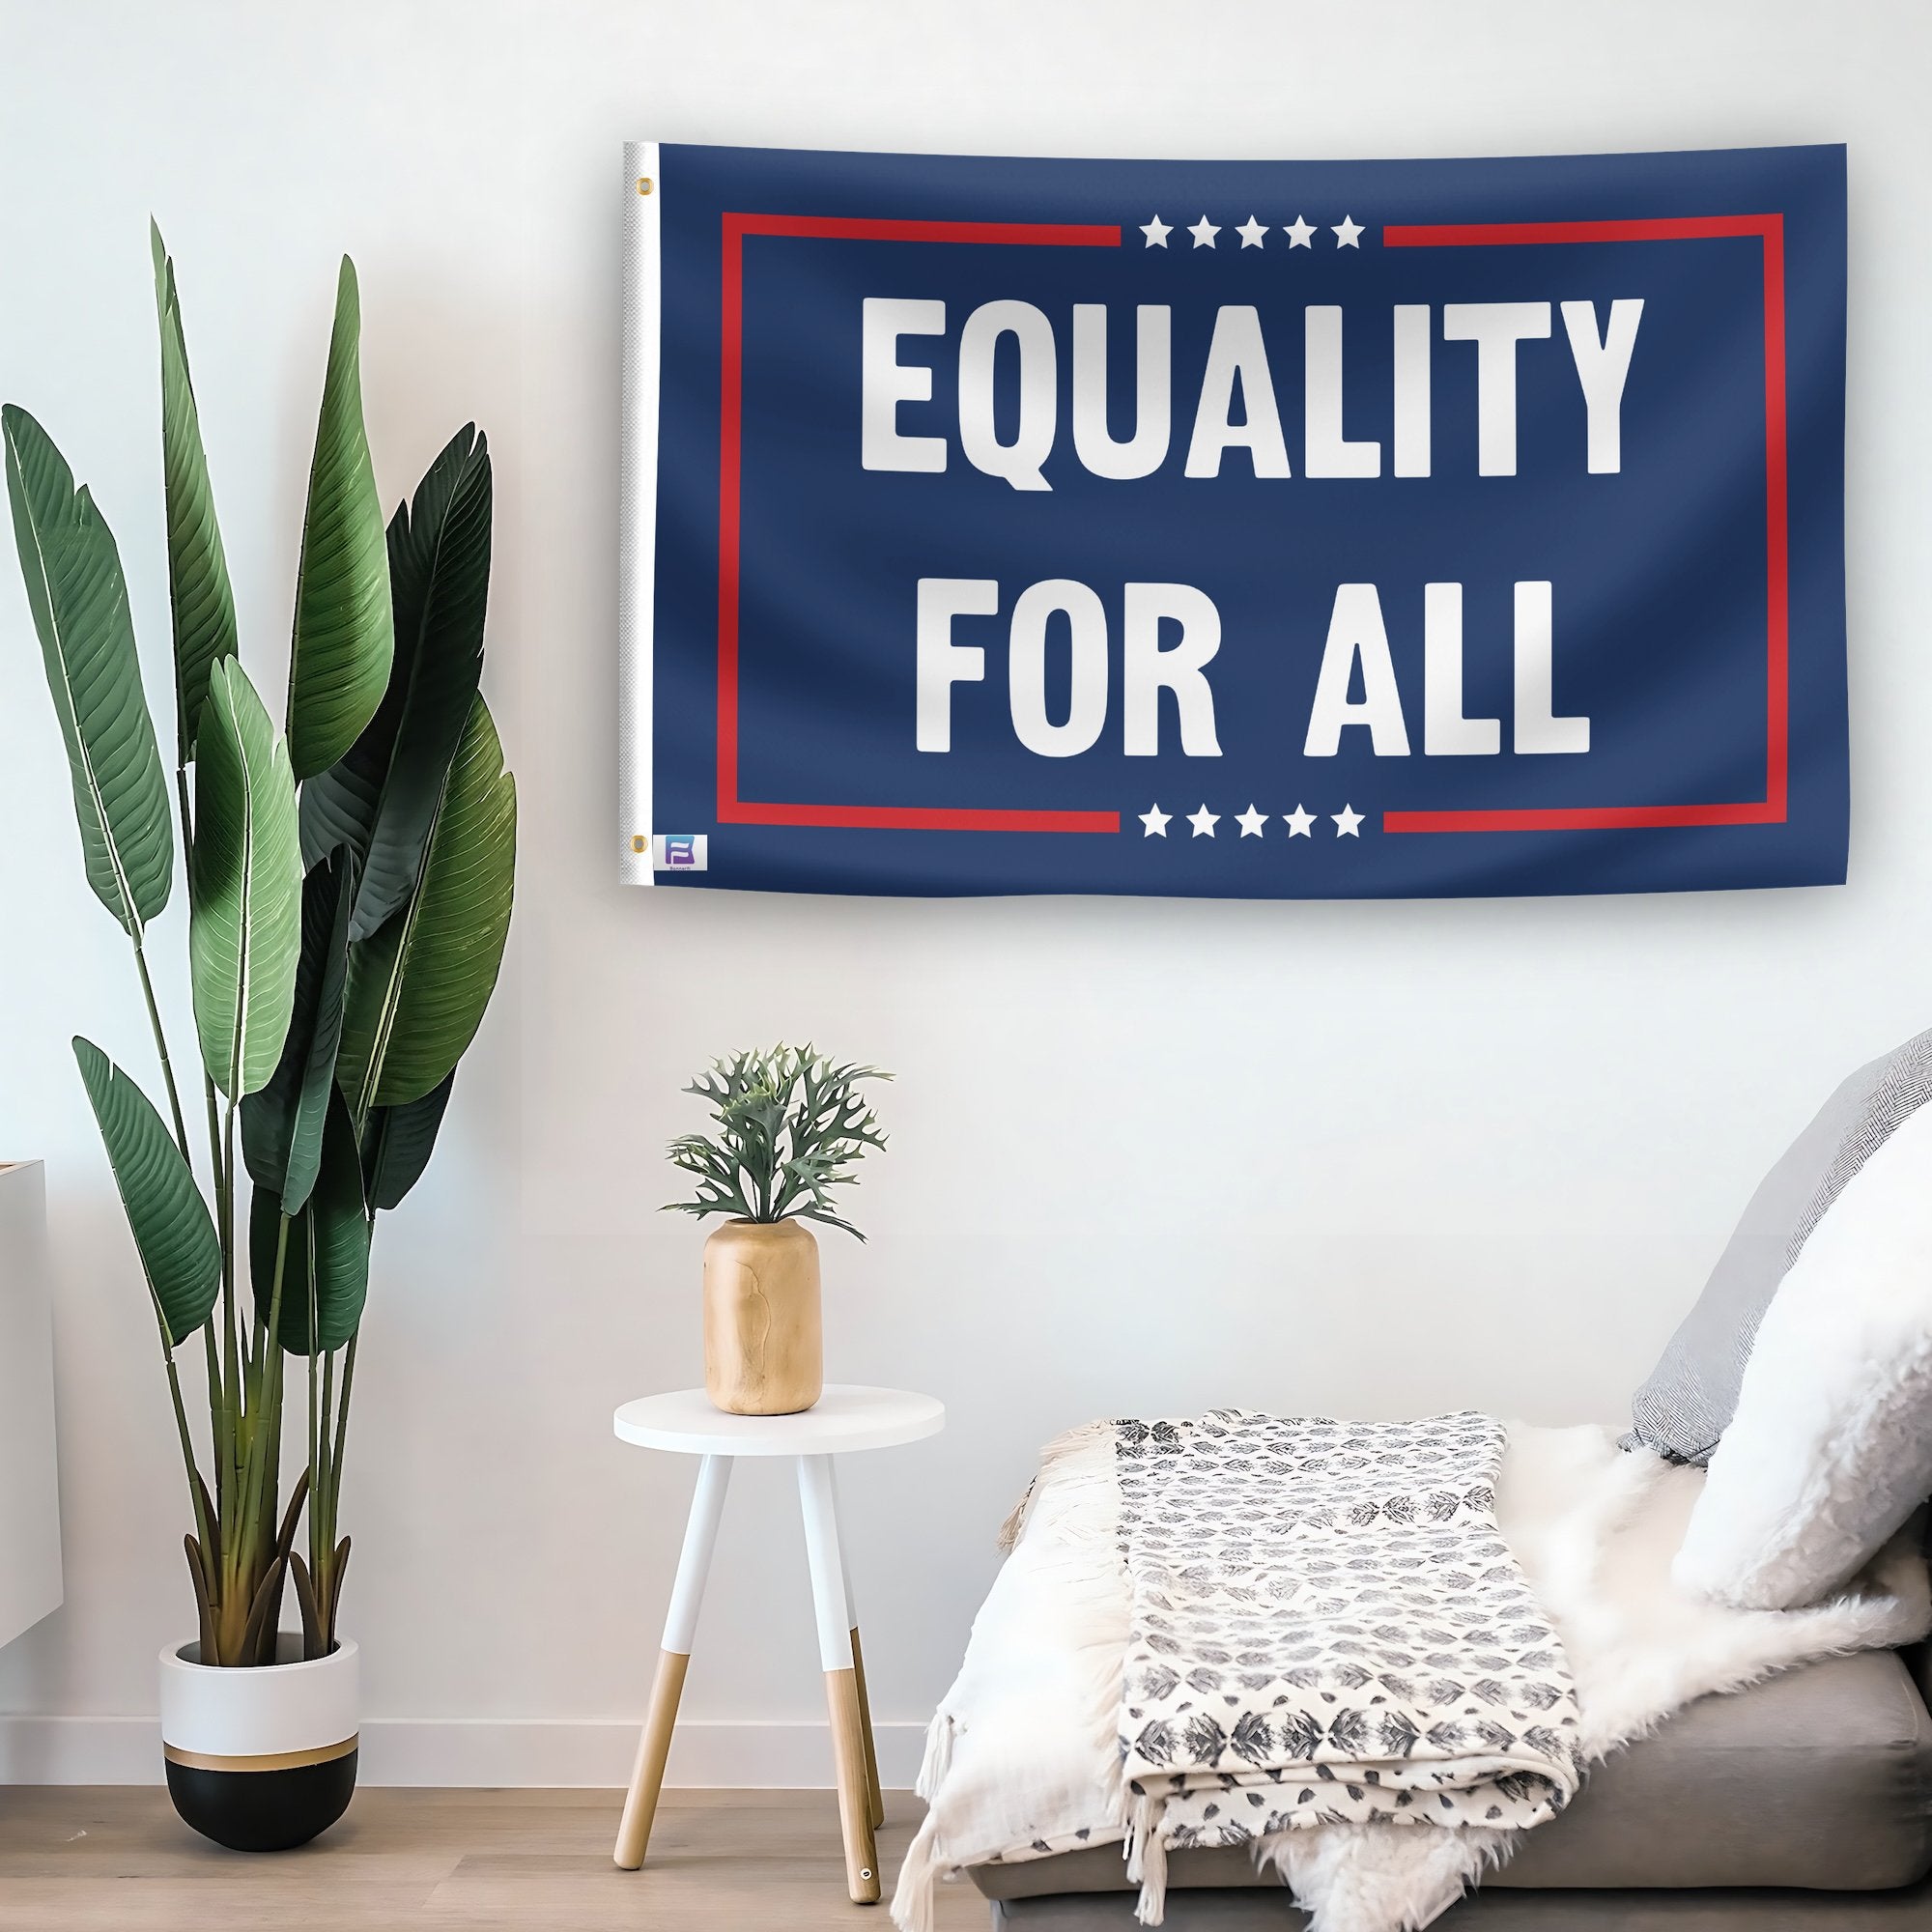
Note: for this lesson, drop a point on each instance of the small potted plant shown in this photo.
(789, 1127)
(348, 889)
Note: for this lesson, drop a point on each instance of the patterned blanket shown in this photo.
(1326, 1626)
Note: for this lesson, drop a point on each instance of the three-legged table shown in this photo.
(845, 1419)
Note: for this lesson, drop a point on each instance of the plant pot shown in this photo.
(765, 1349)
(260, 1760)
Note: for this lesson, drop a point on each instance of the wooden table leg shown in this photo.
(693, 1564)
(877, 1797)
(855, 1806)
(819, 1508)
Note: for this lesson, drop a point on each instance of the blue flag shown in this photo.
(1243, 530)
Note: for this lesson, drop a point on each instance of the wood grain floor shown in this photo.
(78, 1860)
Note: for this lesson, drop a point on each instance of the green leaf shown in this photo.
(344, 636)
(398, 1142)
(381, 797)
(325, 1266)
(173, 1232)
(198, 589)
(79, 600)
(281, 1125)
(418, 987)
(246, 882)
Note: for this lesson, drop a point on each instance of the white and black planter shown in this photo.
(261, 1760)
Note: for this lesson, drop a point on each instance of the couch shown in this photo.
(1802, 1804)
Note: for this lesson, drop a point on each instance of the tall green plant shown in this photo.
(350, 883)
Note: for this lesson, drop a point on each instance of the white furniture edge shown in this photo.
(847, 1417)
(30, 1549)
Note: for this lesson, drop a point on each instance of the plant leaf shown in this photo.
(198, 1570)
(80, 602)
(325, 1269)
(417, 989)
(311, 1616)
(258, 1633)
(281, 1125)
(199, 595)
(285, 1537)
(381, 797)
(344, 636)
(398, 1142)
(245, 931)
(172, 1231)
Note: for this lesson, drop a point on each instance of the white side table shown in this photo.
(845, 1419)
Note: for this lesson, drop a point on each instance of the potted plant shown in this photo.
(789, 1127)
(349, 885)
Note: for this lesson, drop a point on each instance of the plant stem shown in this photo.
(219, 1434)
(266, 1407)
(161, 1047)
(316, 1435)
(186, 813)
(335, 1496)
(342, 1418)
(194, 1487)
(230, 1360)
(322, 1520)
(203, 1528)
(242, 1568)
(235, 1418)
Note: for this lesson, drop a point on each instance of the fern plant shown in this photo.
(790, 1125)
(349, 885)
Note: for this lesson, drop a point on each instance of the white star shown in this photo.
(1203, 232)
(1156, 232)
(1300, 235)
(1348, 823)
(1155, 823)
(1251, 822)
(1349, 234)
(1299, 822)
(1204, 822)
(1251, 231)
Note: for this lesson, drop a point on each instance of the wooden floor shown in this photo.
(74, 1860)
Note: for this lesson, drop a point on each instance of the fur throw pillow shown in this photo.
(1830, 1448)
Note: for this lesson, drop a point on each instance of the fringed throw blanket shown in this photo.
(1326, 1627)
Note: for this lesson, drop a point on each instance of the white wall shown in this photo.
(1367, 1158)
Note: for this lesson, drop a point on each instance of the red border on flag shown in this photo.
(1771, 809)
(731, 808)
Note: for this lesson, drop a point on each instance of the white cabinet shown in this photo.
(30, 1558)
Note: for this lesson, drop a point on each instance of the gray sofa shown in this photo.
(1800, 1806)
(1803, 1803)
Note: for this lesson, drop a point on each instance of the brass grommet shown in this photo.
(639, 842)
(643, 184)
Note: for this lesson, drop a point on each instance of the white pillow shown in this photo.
(1830, 1449)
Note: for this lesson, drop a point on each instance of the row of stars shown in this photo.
(1348, 233)
(1300, 823)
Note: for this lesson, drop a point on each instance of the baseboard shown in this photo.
(478, 1751)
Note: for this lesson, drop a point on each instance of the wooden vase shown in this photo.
(765, 1349)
